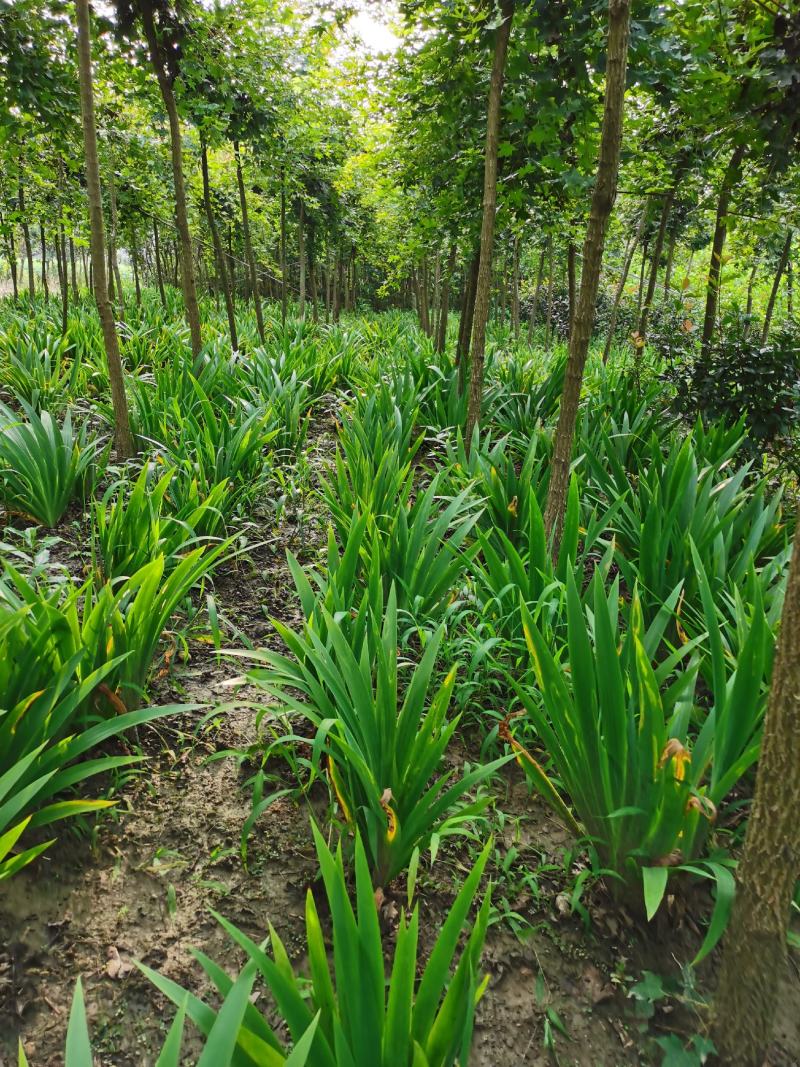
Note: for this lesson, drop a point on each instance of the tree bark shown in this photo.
(572, 254)
(112, 241)
(787, 248)
(626, 266)
(73, 269)
(63, 279)
(515, 288)
(536, 294)
(483, 290)
(301, 252)
(124, 440)
(655, 263)
(284, 290)
(754, 948)
(219, 254)
(43, 245)
(548, 329)
(670, 258)
(750, 283)
(135, 263)
(465, 321)
(717, 246)
(157, 258)
(26, 240)
(603, 198)
(188, 283)
(444, 309)
(255, 290)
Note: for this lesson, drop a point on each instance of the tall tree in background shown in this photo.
(754, 950)
(603, 196)
(484, 286)
(123, 438)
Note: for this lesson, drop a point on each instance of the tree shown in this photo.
(123, 437)
(483, 289)
(603, 197)
(754, 950)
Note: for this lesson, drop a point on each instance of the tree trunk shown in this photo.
(157, 258)
(189, 286)
(483, 290)
(43, 245)
(219, 254)
(789, 288)
(626, 266)
(754, 949)
(536, 294)
(515, 289)
(63, 278)
(572, 254)
(465, 321)
(135, 263)
(642, 271)
(124, 441)
(602, 203)
(255, 290)
(301, 252)
(26, 240)
(112, 241)
(787, 248)
(444, 309)
(284, 290)
(73, 269)
(718, 244)
(750, 283)
(548, 329)
(654, 265)
(670, 259)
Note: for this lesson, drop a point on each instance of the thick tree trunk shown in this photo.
(43, 246)
(255, 290)
(123, 438)
(626, 266)
(785, 253)
(483, 290)
(26, 240)
(465, 321)
(754, 948)
(537, 292)
(444, 309)
(189, 286)
(717, 246)
(602, 203)
(655, 263)
(157, 259)
(219, 255)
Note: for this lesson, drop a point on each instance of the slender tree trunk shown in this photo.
(465, 322)
(717, 246)
(43, 245)
(515, 289)
(157, 259)
(26, 240)
(73, 269)
(124, 440)
(754, 949)
(670, 259)
(548, 329)
(572, 255)
(63, 279)
(436, 297)
(424, 308)
(248, 243)
(626, 266)
(602, 203)
(135, 263)
(656, 262)
(444, 309)
(112, 241)
(750, 283)
(483, 290)
(536, 294)
(189, 286)
(218, 251)
(642, 272)
(284, 290)
(787, 248)
(789, 288)
(301, 252)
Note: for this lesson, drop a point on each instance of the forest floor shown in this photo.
(140, 884)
